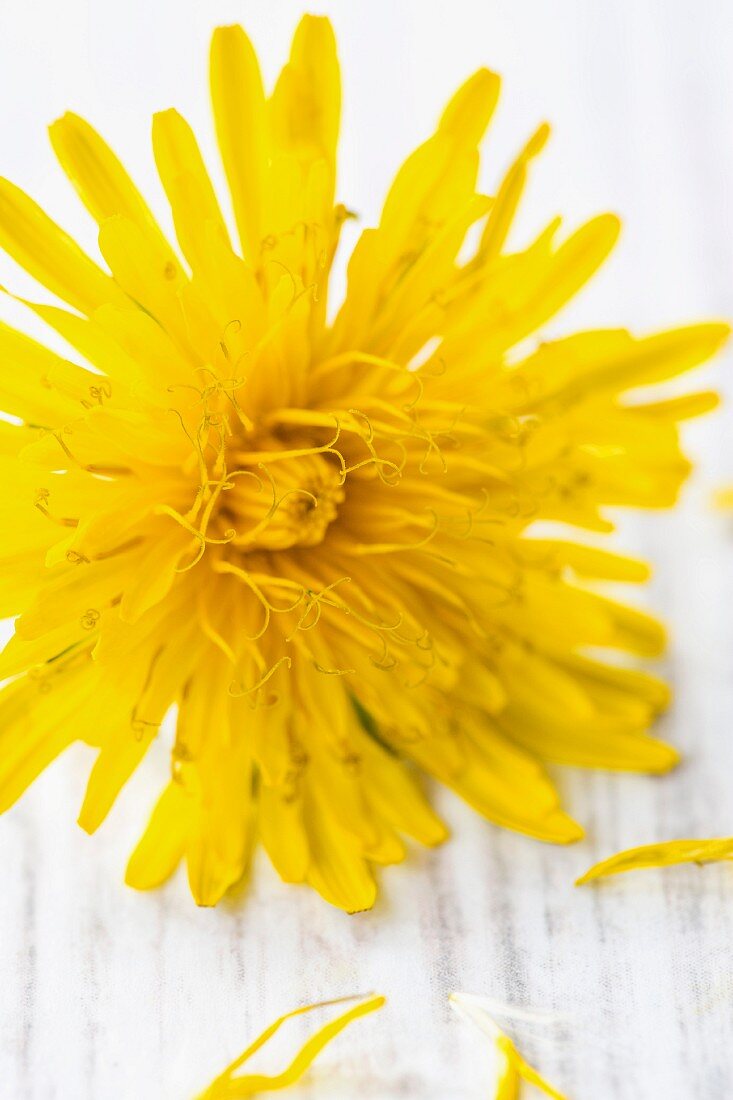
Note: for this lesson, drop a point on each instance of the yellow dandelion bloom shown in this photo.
(231, 1083)
(514, 1071)
(665, 854)
(311, 538)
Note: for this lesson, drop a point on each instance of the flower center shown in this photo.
(285, 503)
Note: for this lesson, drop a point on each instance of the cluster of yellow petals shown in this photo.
(314, 538)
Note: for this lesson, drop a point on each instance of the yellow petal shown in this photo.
(49, 255)
(102, 183)
(25, 391)
(283, 833)
(93, 343)
(469, 112)
(337, 869)
(507, 200)
(306, 103)
(505, 784)
(163, 843)
(514, 1068)
(178, 158)
(230, 1084)
(116, 762)
(665, 854)
(146, 272)
(239, 113)
(586, 561)
(682, 408)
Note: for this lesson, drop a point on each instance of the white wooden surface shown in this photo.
(110, 995)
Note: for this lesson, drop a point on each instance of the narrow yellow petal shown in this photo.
(102, 183)
(230, 1085)
(239, 113)
(93, 343)
(586, 561)
(507, 200)
(514, 1068)
(116, 762)
(337, 869)
(283, 833)
(25, 391)
(49, 255)
(163, 843)
(469, 111)
(665, 854)
(147, 273)
(306, 103)
(178, 158)
(682, 408)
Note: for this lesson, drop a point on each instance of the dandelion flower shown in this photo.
(308, 538)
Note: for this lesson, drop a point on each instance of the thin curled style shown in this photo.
(366, 549)
(332, 671)
(362, 618)
(268, 607)
(92, 468)
(432, 446)
(98, 394)
(217, 489)
(314, 600)
(219, 423)
(41, 503)
(237, 692)
(257, 458)
(186, 386)
(248, 536)
(203, 468)
(427, 669)
(223, 341)
(384, 661)
(368, 441)
(228, 388)
(203, 540)
(378, 463)
(104, 555)
(348, 358)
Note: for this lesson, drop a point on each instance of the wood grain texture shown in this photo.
(110, 995)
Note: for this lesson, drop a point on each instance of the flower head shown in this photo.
(314, 539)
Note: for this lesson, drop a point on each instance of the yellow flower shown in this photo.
(514, 1071)
(312, 538)
(665, 854)
(231, 1083)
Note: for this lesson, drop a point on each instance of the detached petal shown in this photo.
(228, 1086)
(514, 1068)
(666, 854)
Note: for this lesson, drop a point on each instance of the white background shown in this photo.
(108, 995)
